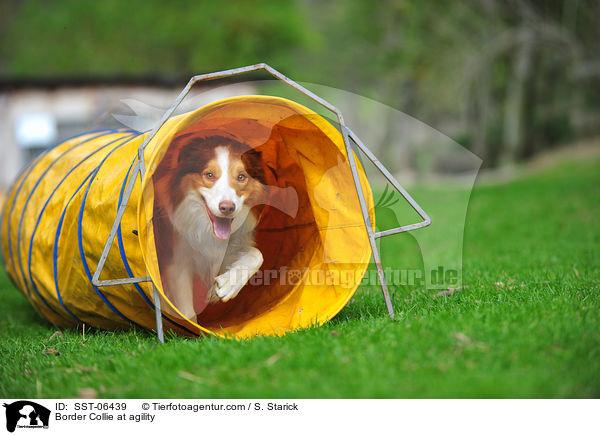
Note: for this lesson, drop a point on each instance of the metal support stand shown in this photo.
(347, 135)
(157, 310)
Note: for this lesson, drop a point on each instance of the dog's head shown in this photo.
(223, 174)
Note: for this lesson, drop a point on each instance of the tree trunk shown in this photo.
(513, 129)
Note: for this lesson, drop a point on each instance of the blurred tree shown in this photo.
(72, 37)
(518, 73)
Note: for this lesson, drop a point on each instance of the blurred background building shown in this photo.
(36, 113)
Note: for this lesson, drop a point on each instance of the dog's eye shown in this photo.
(241, 177)
(210, 175)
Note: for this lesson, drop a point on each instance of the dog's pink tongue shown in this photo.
(222, 227)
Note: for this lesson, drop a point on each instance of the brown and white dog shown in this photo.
(204, 220)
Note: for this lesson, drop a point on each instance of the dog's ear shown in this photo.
(171, 159)
(253, 163)
(184, 145)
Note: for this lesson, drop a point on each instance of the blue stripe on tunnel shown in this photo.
(80, 241)
(26, 171)
(55, 249)
(33, 284)
(20, 227)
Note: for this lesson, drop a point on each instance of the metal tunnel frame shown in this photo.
(351, 142)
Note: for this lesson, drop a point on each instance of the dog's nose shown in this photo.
(226, 207)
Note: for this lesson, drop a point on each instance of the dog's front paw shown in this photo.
(227, 286)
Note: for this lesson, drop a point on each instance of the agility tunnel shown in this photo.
(58, 214)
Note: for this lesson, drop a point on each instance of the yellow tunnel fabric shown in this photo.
(58, 213)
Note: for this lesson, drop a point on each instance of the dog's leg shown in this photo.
(180, 278)
(228, 284)
(181, 290)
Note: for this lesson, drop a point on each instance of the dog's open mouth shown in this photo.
(221, 226)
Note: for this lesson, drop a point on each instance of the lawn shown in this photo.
(526, 323)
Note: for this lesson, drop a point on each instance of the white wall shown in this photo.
(80, 109)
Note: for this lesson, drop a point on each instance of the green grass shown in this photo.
(538, 336)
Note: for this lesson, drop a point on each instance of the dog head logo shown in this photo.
(26, 414)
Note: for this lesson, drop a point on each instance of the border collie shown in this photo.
(206, 188)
